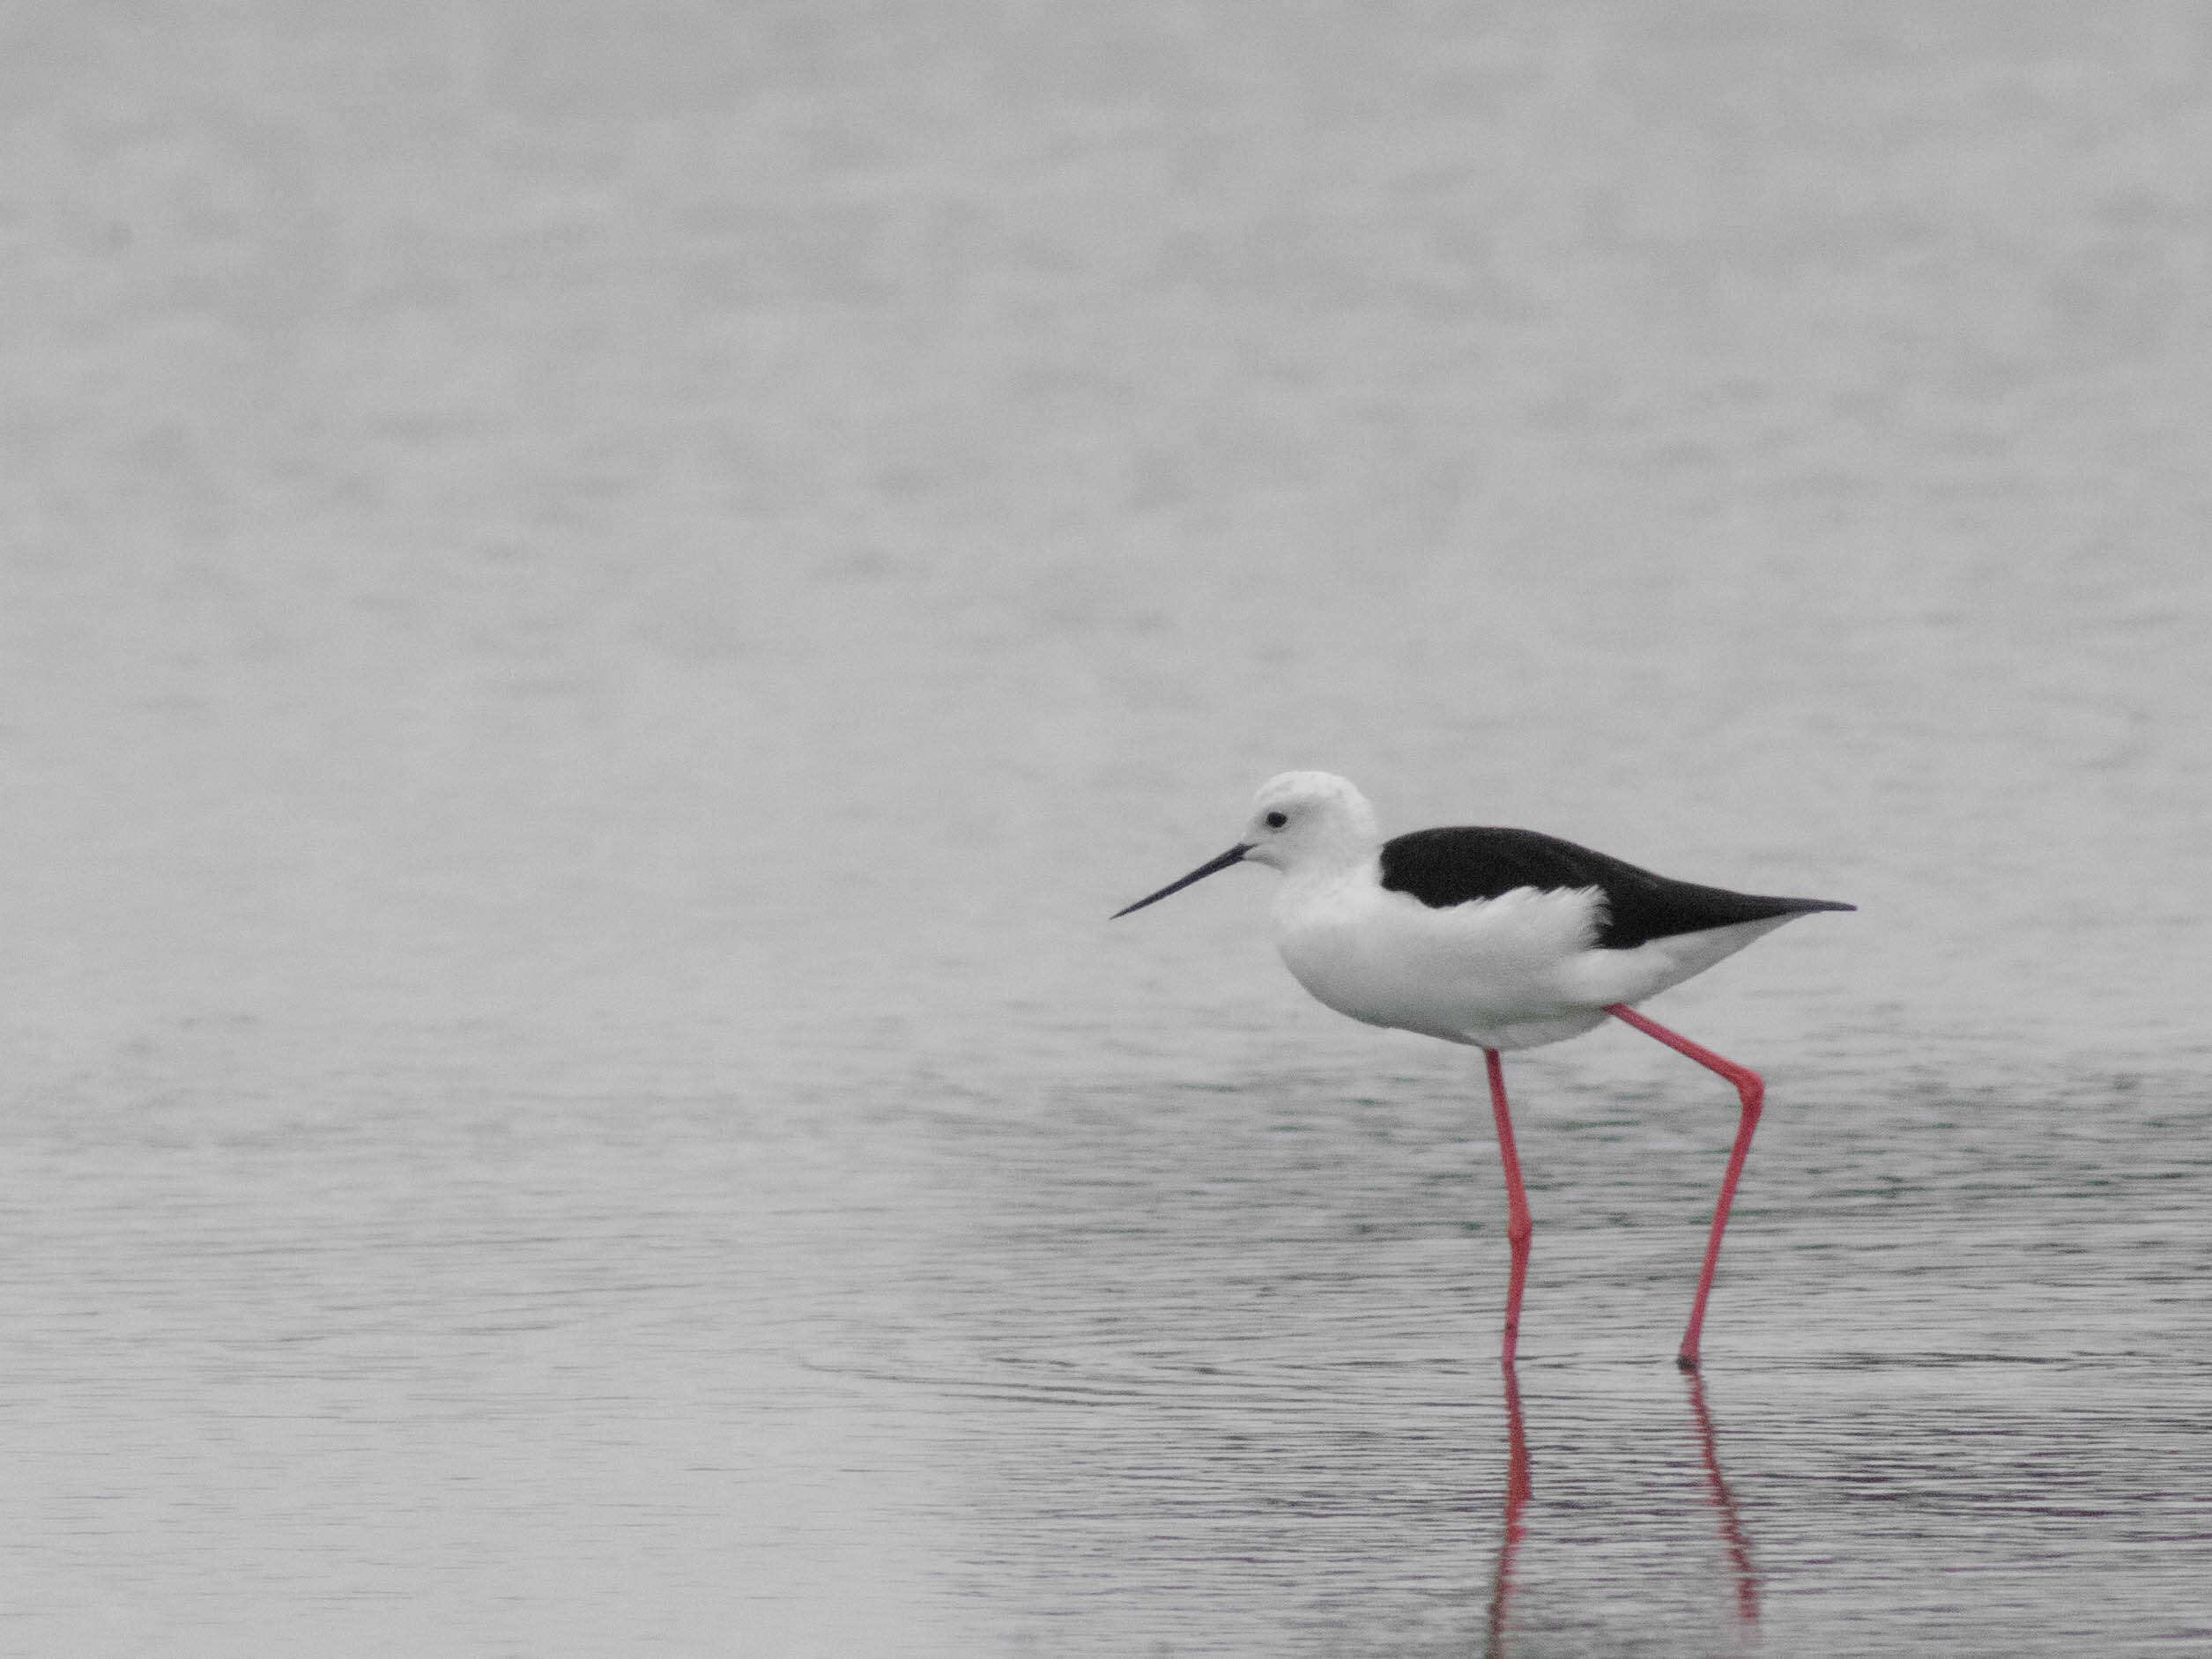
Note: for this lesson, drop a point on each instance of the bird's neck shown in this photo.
(1331, 868)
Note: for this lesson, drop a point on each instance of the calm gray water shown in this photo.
(600, 601)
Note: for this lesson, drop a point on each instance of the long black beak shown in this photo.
(1199, 874)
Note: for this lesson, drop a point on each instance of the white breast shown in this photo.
(1495, 972)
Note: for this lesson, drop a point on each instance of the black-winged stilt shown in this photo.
(1500, 939)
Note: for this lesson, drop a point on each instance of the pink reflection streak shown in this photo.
(1520, 1487)
(1724, 1503)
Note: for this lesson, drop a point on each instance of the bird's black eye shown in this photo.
(1276, 820)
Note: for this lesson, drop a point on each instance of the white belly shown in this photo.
(1513, 972)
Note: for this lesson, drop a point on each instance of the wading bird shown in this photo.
(1500, 938)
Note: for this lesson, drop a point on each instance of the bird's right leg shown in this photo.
(1519, 1224)
(1751, 1090)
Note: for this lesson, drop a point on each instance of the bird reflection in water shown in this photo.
(1517, 1488)
(1520, 1486)
(1724, 1505)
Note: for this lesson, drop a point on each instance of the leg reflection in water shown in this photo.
(1724, 1503)
(1520, 1487)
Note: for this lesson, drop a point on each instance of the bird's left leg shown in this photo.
(1752, 1092)
(1519, 1224)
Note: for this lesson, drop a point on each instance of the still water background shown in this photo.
(599, 600)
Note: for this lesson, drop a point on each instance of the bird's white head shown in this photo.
(1305, 818)
(1300, 820)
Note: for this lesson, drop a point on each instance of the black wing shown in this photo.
(1443, 867)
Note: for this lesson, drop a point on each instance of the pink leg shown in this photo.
(1519, 1224)
(1753, 1092)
